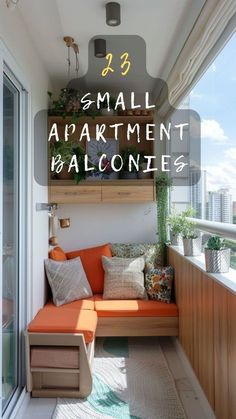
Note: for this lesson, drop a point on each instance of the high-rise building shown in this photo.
(220, 206)
(198, 194)
(234, 208)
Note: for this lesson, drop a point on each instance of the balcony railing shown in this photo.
(225, 230)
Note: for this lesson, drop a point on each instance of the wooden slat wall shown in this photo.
(207, 333)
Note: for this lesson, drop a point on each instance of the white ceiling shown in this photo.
(163, 24)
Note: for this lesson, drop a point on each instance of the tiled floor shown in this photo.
(43, 408)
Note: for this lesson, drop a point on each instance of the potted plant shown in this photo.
(104, 106)
(68, 104)
(80, 153)
(125, 153)
(174, 221)
(163, 184)
(65, 150)
(192, 241)
(143, 166)
(217, 255)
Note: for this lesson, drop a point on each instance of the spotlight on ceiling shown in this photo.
(113, 14)
(100, 48)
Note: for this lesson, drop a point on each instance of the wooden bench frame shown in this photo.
(39, 380)
(137, 326)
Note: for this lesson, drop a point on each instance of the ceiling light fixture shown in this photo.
(100, 49)
(11, 4)
(113, 14)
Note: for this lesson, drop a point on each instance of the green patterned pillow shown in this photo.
(150, 252)
(158, 283)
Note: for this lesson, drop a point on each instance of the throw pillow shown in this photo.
(158, 283)
(67, 281)
(150, 252)
(124, 278)
(57, 254)
(92, 263)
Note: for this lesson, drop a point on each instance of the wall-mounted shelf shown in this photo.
(107, 191)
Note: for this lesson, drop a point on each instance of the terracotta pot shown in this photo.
(64, 174)
(64, 222)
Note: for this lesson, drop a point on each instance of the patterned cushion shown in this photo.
(67, 281)
(124, 278)
(150, 252)
(158, 283)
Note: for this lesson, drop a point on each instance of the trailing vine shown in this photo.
(163, 184)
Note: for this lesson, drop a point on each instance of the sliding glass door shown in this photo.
(13, 235)
(10, 240)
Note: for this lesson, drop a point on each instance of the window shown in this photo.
(213, 197)
(214, 98)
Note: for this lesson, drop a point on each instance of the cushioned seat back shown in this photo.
(150, 252)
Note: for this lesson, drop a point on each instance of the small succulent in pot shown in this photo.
(217, 255)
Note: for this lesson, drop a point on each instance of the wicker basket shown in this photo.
(217, 261)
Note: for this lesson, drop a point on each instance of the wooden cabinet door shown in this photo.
(127, 193)
(75, 194)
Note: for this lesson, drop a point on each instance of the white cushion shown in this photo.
(67, 280)
(124, 278)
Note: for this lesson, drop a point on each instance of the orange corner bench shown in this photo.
(60, 340)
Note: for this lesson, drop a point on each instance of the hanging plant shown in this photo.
(163, 184)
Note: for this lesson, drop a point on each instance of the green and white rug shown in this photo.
(131, 379)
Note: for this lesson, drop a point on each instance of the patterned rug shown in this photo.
(131, 379)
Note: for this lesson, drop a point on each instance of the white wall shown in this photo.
(101, 223)
(17, 40)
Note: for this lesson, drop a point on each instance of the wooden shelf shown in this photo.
(113, 119)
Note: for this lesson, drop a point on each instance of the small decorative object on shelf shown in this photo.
(217, 255)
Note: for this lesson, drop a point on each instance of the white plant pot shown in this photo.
(192, 247)
(106, 112)
(217, 261)
(175, 239)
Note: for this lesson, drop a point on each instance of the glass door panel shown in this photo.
(10, 259)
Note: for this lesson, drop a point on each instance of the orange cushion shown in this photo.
(57, 254)
(134, 308)
(92, 262)
(86, 304)
(60, 320)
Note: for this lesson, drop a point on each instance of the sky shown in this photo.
(214, 98)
